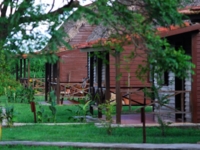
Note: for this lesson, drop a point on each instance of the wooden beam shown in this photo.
(91, 55)
(99, 72)
(17, 69)
(180, 30)
(194, 79)
(117, 88)
(50, 74)
(20, 69)
(46, 81)
(107, 77)
(28, 72)
(99, 84)
(58, 82)
(24, 68)
(55, 72)
(92, 49)
(91, 75)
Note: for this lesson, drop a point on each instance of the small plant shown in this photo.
(107, 110)
(80, 112)
(9, 115)
(52, 107)
(10, 94)
(25, 95)
(30, 92)
(40, 115)
(1, 115)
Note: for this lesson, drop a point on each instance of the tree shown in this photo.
(20, 19)
(136, 19)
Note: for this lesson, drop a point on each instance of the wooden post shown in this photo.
(20, 69)
(107, 77)
(24, 67)
(91, 68)
(33, 109)
(50, 75)
(28, 72)
(117, 88)
(17, 69)
(54, 72)
(182, 106)
(99, 84)
(46, 82)
(58, 83)
(129, 76)
(143, 124)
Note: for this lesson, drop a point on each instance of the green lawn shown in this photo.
(88, 132)
(24, 114)
(20, 147)
(91, 133)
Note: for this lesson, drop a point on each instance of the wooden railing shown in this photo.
(37, 83)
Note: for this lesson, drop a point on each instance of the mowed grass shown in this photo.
(91, 133)
(20, 147)
(87, 132)
(24, 114)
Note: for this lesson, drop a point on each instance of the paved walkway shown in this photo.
(123, 146)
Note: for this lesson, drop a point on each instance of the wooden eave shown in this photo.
(92, 49)
(180, 31)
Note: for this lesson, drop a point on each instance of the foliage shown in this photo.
(163, 57)
(40, 115)
(37, 67)
(53, 104)
(8, 114)
(80, 112)
(6, 79)
(25, 94)
(107, 110)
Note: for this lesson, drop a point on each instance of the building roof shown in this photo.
(191, 8)
(81, 34)
(162, 32)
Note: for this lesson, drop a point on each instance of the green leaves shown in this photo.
(163, 12)
(9, 115)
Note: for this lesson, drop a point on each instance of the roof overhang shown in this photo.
(195, 27)
(92, 49)
(88, 47)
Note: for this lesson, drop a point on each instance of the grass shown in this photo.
(20, 147)
(88, 132)
(91, 133)
(25, 115)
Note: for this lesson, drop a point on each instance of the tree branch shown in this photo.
(27, 19)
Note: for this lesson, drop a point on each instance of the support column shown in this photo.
(99, 83)
(91, 75)
(28, 72)
(24, 68)
(17, 69)
(58, 83)
(117, 88)
(20, 69)
(107, 77)
(46, 81)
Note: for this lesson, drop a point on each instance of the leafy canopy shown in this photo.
(136, 19)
